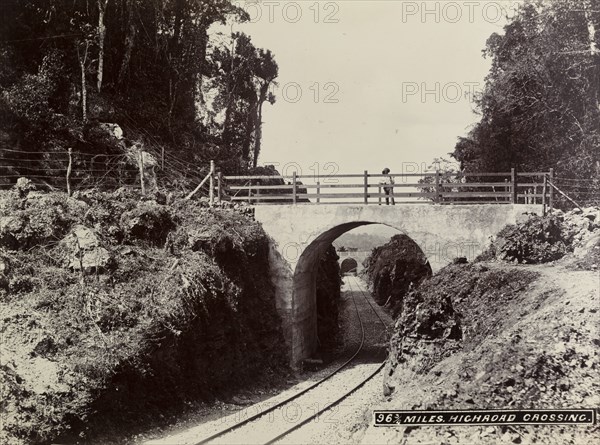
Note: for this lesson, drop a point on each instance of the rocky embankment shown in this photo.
(118, 310)
(516, 329)
(329, 283)
(394, 268)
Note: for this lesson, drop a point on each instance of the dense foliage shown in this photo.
(157, 68)
(543, 239)
(538, 240)
(540, 107)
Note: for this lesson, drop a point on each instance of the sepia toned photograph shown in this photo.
(299, 222)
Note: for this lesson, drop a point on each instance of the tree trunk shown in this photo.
(264, 89)
(594, 52)
(258, 132)
(250, 132)
(201, 63)
(179, 5)
(172, 101)
(591, 30)
(82, 62)
(101, 37)
(129, 40)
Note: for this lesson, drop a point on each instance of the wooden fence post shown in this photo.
(219, 186)
(69, 171)
(437, 186)
(250, 191)
(211, 193)
(366, 182)
(544, 188)
(294, 187)
(318, 191)
(551, 194)
(141, 165)
(379, 194)
(513, 180)
(197, 189)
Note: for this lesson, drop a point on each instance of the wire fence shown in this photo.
(70, 171)
(579, 192)
(155, 168)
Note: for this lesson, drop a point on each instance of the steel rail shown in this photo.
(366, 297)
(295, 396)
(346, 394)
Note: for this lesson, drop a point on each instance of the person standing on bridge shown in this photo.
(388, 186)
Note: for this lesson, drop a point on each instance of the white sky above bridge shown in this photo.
(368, 84)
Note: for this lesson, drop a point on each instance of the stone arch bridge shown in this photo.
(301, 233)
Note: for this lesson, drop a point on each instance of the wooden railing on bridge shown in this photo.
(408, 188)
(366, 188)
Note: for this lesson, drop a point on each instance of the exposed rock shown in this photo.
(84, 251)
(148, 221)
(84, 238)
(142, 159)
(44, 346)
(199, 239)
(590, 244)
(96, 260)
(42, 376)
(113, 130)
(4, 272)
(24, 186)
(591, 213)
(10, 227)
(436, 319)
(4, 265)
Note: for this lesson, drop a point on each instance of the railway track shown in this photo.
(241, 431)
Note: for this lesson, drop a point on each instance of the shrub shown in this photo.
(537, 240)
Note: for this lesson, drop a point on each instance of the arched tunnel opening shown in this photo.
(349, 266)
(315, 301)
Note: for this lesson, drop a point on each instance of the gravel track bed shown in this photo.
(332, 425)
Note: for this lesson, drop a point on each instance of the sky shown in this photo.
(365, 85)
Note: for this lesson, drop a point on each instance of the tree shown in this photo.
(539, 107)
(102, 5)
(67, 66)
(266, 71)
(449, 173)
(246, 74)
